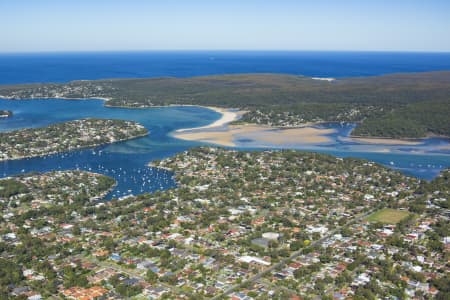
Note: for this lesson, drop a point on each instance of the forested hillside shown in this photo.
(398, 105)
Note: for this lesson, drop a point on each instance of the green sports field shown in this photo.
(388, 216)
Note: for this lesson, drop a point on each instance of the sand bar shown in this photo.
(223, 138)
(228, 116)
(221, 133)
(444, 147)
(386, 141)
(287, 136)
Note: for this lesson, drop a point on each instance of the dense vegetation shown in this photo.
(413, 120)
(79, 187)
(10, 274)
(66, 136)
(382, 104)
(441, 184)
(225, 200)
(54, 194)
(11, 187)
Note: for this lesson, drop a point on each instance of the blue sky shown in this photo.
(80, 25)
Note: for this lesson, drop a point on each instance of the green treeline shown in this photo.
(66, 136)
(414, 120)
(11, 187)
(397, 105)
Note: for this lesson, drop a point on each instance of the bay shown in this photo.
(127, 161)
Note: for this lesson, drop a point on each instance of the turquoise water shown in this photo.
(424, 160)
(127, 161)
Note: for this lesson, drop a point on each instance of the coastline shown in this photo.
(385, 141)
(228, 115)
(55, 97)
(73, 149)
(217, 132)
(222, 133)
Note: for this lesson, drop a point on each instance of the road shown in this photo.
(132, 273)
(294, 255)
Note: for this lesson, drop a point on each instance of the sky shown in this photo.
(103, 25)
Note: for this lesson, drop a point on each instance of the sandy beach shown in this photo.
(223, 138)
(216, 132)
(385, 141)
(228, 116)
(285, 136)
(221, 133)
(259, 134)
(443, 148)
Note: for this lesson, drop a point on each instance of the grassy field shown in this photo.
(388, 216)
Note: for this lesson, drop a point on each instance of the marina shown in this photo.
(127, 162)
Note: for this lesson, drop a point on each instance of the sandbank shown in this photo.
(289, 136)
(444, 147)
(386, 141)
(259, 135)
(221, 133)
(228, 116)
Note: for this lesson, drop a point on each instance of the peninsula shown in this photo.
(66, 136)
(228, 128)
(53, 188)
(240, 225)
(390, 106)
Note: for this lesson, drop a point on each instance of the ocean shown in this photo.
(64, 67)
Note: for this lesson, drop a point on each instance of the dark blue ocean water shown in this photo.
(63, 67)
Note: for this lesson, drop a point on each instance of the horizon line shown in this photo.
(221, 50)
